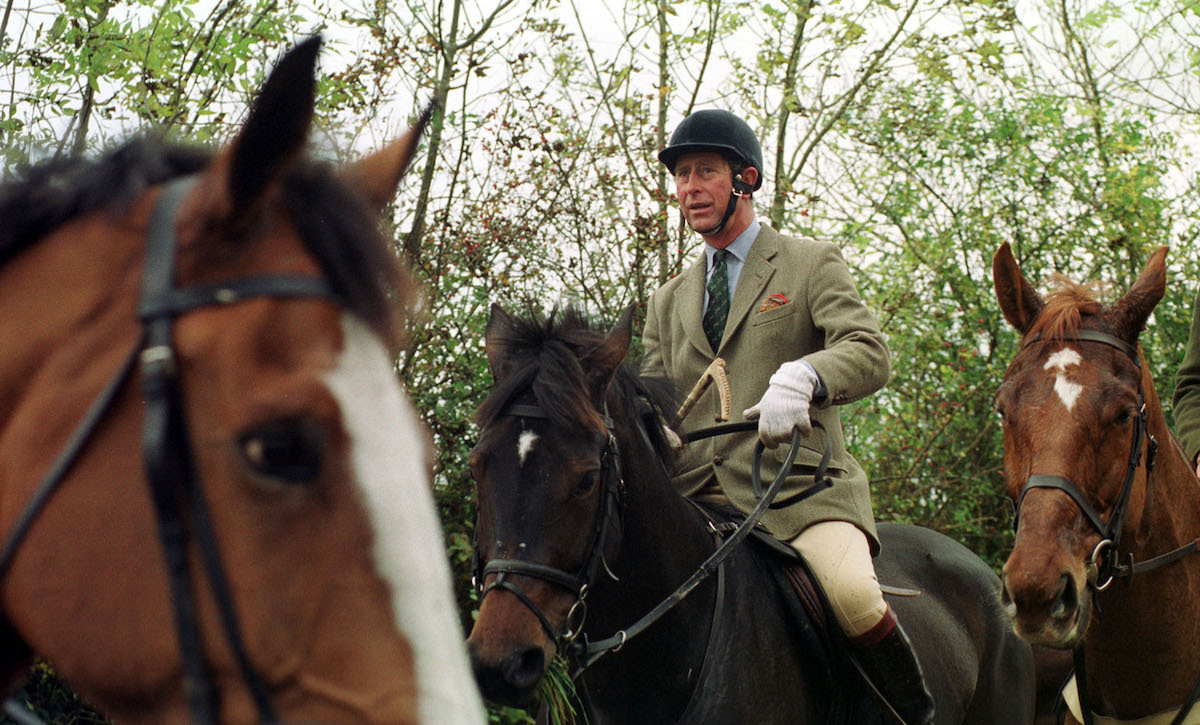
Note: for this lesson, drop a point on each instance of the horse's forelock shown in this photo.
(1065, 309)
(542, 354)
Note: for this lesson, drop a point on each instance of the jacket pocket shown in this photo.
(773, 315)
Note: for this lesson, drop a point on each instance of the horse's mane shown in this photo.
(331, 219)
(1065, 308)
(541, 359)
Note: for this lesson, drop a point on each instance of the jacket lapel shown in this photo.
(757, 271)
(689, 305)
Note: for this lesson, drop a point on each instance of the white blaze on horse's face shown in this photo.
(525, 444)
(389, 458)
(1067, 390)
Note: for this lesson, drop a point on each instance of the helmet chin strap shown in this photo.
(740, 189)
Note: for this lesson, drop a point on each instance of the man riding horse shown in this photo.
(785, 315)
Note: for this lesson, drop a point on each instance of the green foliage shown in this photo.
(47, 697)
(943, 180)
(558, 692)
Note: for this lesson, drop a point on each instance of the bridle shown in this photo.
(580, 652)
(580, 581)
(1105, 565)
(166, 449)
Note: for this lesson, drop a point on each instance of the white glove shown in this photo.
(785, 404)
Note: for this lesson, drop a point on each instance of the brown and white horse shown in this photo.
(209, 363)
(1103, 491)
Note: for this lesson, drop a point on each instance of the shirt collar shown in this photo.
(740, 247)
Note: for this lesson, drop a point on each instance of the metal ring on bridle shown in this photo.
(1094, 566)
(578, 609)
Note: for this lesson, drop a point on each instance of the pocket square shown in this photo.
(772, 301)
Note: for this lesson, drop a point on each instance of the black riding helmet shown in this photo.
(714, 130)
(721, 131)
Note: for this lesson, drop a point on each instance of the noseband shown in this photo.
(579, 582)
(166, 449)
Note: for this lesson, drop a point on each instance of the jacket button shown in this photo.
(717, 460)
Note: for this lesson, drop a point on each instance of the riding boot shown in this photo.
(888, 660)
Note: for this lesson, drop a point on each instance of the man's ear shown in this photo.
(750, 176)
(745, 181)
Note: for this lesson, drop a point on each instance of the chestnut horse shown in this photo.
(581, 533)
(1108, 506)
(214, 494)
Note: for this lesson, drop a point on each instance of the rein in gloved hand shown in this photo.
(785, 404)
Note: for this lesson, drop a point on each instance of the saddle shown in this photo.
(815, 631)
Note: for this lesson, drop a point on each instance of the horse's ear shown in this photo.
(377, 175)
(499, 328)
(1019, 302)
(1129, 315)
(602, 362)
(273, 137)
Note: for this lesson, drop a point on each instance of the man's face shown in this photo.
(703, 182)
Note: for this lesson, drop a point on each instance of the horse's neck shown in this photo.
(664, 540)
(664, 537)
(1169, 514)
(1141, 648)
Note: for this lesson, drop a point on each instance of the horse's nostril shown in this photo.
(1067, 601)
(1006, 600)
(524, 669)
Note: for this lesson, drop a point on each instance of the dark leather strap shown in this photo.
(173, 302)
(595, 650)
(167, 455)
(1041, 480)
(1096, 336)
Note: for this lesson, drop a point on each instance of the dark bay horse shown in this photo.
(214, 494)
(1103, 490)
(580, 533)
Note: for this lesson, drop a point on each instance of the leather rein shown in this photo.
(580, 651)
(179, 502)
(1105, 565)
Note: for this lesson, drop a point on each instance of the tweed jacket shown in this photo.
(1186, 401)
(794, 300)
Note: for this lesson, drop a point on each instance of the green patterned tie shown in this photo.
(718, 300)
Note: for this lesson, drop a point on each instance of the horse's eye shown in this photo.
(289, 451)
(587, 482)
(1124, 417)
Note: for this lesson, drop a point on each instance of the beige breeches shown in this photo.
(840, 557)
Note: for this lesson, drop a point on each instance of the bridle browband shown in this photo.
(1105, 565)
(166, 449)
